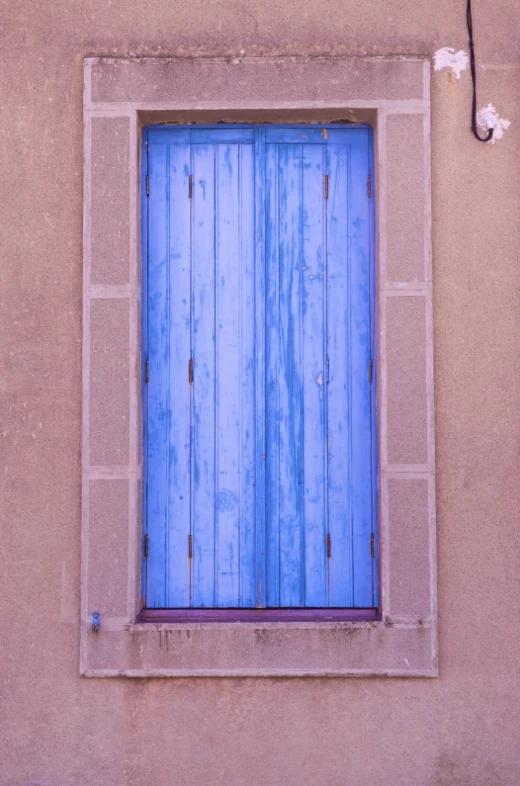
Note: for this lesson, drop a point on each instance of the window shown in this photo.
(258, 378)
(123, 98)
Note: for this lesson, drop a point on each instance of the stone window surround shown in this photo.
(123, 95)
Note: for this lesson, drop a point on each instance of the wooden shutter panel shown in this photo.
(318, 401)
(200, 434)
(231, 276)
(350, 455)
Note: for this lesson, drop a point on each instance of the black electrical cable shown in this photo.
(474, 127)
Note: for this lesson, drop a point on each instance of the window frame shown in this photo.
(121, 96)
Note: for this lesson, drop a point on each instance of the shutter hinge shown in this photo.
(190, 370)
(146, 546)
(190, 187)
(369, 185)
(370, 369)
(190, 546)
(327, 375)
(147, 185)
(372, 545)
(147, 371)
(326, 186)
(329, 549)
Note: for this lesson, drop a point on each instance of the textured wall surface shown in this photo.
(58, 729)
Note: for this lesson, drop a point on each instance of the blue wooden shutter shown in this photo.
(258, 409)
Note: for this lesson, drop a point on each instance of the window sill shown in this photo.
(257, 615)
(300, 648)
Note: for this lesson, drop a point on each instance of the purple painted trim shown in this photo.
(258, 615)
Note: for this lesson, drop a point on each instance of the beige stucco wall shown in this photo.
(56, 728)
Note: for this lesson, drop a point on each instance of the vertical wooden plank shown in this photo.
(228, 376)
(251, 386)
(273, 380)
(179, 273)
(314, 376)
(204, 392)
(349, 413)
(290, 414)
(145, 218)
(339, 413)
(360, 352)
(375, 370)
(235, 501)
(158, 391)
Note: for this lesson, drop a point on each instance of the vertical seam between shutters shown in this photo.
(216, 402)
(192, 386)
(301, 468)
(349, 323)
(239, 381)
(168, 387)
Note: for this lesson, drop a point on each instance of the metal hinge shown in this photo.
(147, 371)
(147, 185)
(326, 186)
(327, 374)
(329, 550)
(369, 185)
(146, 546)
(370, 370)
(190, 546)
(372, 545)
(190, 187)
(190, 370)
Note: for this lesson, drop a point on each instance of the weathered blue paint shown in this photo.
(260, 473)
(260, 370)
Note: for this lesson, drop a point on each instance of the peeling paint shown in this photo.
(447, 57)
(320, 383)
(488, 117)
